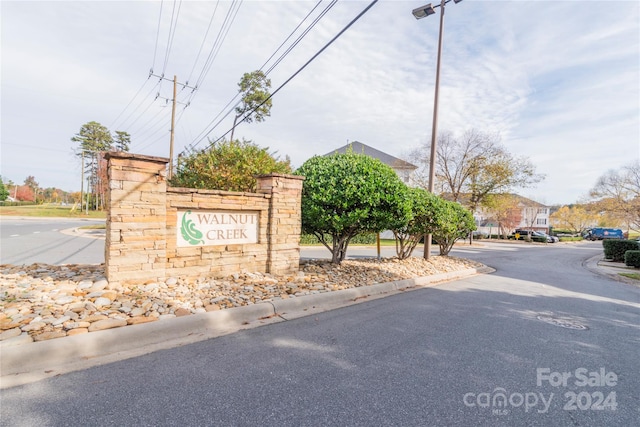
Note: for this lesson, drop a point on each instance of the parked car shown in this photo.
(550, 239)
(601, 233)
(535, 236)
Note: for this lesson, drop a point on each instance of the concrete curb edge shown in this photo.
(26, 363)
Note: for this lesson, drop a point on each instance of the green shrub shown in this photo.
(360, 239)
(229, 166)
(557, 231)
(615, 249)
(570, 239)
(344, 195)
(632, 258)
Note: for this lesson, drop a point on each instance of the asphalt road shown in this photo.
(52, 241)
(558, 341)
(41, 240)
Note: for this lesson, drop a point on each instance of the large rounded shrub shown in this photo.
(615, 249)
(347, 194)
(229, 166)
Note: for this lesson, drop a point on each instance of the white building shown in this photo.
(528, 214)
(402, 168)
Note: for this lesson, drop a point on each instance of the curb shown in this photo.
(597, 265)
(34, 361)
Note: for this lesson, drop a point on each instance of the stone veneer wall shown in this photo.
(141, 238)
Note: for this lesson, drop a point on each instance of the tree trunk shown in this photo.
(235, 119)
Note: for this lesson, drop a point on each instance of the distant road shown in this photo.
(50, 241)
(41, 240)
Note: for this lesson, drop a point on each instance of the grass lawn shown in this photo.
(635, 276)
(48, 210)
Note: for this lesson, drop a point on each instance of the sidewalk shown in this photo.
(613, 270)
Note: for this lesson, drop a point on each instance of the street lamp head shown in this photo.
(424, 11)
(457, 1)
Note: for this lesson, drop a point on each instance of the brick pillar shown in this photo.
(135, 246)
(285, 221)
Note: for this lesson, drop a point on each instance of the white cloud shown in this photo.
(558, 80)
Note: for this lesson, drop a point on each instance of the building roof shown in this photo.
(524, 202)
(360, 148)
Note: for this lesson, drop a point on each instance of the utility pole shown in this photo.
(173, 125)
(174, 102)
(82, 182)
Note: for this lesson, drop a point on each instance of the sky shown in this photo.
(558, 81)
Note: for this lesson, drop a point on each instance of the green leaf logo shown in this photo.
(189, 231)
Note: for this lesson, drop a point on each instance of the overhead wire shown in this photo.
(220, 38)
(204, 39)
(143, 128)
(155, 50)
(197, 140)
(299, 39)
(217, 45)
(353, 21)
(123, 124)
(172, 31)
(130, 102)
(291, 34)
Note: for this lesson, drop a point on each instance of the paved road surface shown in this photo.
(438, 356)
(41, 240)
(53, 241)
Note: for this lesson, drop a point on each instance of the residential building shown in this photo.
(402, 168)
(526, 214)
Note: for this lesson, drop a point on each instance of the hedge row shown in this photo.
(360, 239)
(632, 259)
(615, 249)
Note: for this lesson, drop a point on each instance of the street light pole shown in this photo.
(420, 13)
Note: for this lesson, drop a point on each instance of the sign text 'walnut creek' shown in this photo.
(208, 228)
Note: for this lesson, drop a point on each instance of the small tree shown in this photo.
(24, 193)
(617, 192)
(4, 193)
(347, 194)
(422, 220)
(93, 137)
(228, 165)
(256, 100)
(574, 218)
(474, 164)
(452, 222)
(504, 208)
(121, 141)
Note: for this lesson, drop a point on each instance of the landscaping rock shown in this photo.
(42, 301)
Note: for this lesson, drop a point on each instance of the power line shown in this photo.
(139, 104)
(353, 21)
(220, 38)
(172, 31)
(303, 35)
(132, 99)
(291, 34)
(322, 14)
(155, 50)
(203, 41)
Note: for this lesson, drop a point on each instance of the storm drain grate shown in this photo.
(564, 323)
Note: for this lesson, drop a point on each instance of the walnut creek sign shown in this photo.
(208, 228)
